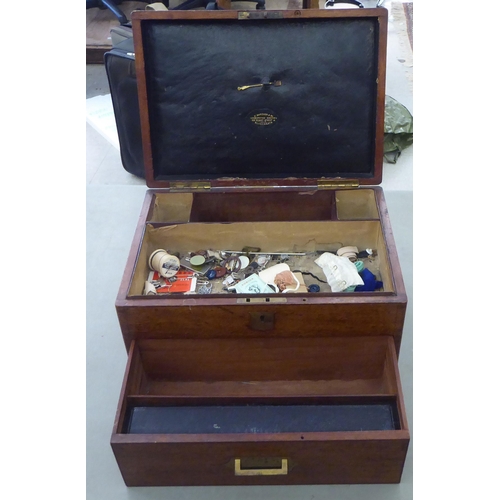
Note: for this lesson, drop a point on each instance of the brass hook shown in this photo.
(277, 83)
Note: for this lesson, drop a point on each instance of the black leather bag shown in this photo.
(120, 70)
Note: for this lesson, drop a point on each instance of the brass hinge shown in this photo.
(190, 186)
(341, 184)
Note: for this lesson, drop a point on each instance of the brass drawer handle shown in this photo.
(282, 471)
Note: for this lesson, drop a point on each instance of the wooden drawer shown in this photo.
(261, 411)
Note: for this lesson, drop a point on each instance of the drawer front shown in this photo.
(341, 460)
(294, 319)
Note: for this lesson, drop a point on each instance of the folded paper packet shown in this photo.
(340, 272)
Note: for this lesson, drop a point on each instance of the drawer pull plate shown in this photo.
(281, 471)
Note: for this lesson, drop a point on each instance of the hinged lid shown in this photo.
(292, 99)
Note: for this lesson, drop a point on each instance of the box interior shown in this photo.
(283, 223)
(341, 379)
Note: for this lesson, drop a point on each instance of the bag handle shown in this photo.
(212, 4)
(330, 4)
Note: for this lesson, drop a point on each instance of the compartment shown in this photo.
(170, 207)
(282, 224)
(286, 411)
(264, 206)
(354, 205)
(252, 207)
(222, 314)
(263, 367)
(307, 239)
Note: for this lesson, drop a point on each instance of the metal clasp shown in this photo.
(276, 83)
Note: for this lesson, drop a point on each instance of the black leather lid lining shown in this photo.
(319, 120)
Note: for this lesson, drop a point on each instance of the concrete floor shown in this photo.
(114, 199)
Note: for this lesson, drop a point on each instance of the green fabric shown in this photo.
(398, 129)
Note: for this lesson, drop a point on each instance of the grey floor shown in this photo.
(114, 199)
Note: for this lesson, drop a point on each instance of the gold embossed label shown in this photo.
(263, 119)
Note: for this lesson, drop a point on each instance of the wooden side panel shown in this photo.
(212, 360)
(341, 460)
(276, 206)
(132, 381)
(392, 374)
(390, 244)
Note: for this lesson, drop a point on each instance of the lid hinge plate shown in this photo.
(340, 184)
(190, 186)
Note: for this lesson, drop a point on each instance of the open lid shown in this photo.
(261, 99)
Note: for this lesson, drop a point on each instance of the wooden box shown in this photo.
(262, 130)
